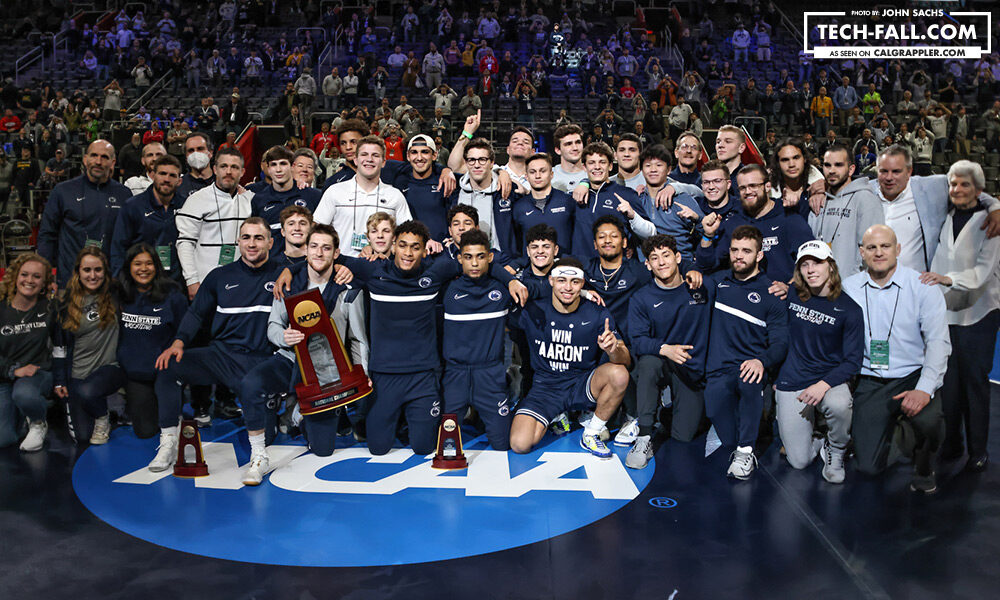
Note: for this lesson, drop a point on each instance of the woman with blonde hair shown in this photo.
(85, 363)
(27, 319)
(826, 347)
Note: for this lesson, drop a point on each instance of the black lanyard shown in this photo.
(894, 307)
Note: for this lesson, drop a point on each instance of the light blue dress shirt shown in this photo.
(918, 317)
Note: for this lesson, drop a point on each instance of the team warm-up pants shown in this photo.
(484, 387)
(417, 395)
(216, 364)
(879, 424)
(796, 420)
(965, 395)
(734, 406)
(88, 399)
(688, 396)
(19, 398)
(270, 379)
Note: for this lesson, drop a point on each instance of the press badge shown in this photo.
(163, 252)
(227, 254)
(358, 241)
(879, 354)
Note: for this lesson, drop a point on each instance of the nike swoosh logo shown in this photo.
(157, 309)
(838, 309)
(267, 208)
(657, 304)
(584, 323)
(528, 213)
(404, 190)
(723, 285)
(39, 315)
(147, 214)
(80, 199)
(775, 228)
(229, 287)
(460, 296)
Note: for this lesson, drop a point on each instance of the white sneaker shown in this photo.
(584, 417)
(833, 463)
(742, 465)
(102, 430)
(166, 454)
(35, 439)
(257, 469)
(605, 434)
(640, 454)
(628, 433)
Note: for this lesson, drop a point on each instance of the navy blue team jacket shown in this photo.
(147, 329)
(269, 202)
(747, 322)
(677, 316)
(558, 212)
(144, 219)
(236, 298)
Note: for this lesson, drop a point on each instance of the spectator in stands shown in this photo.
(351, 86)
(234, 114)
(845, 98)
(762, 35)
(626, 65)
(305, 87)
(112, 100)
(333, 87)
(741, 44)
(821, 112)
(215, 68)
(294, 126)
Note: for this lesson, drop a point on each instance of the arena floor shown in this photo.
(688, 533)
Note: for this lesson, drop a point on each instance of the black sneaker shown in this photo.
(924, 484)
(227, 410)
(202, 417)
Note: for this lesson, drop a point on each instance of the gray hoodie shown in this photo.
(842, 221)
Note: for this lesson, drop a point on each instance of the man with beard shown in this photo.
(583, 367)
(198, 155)
(543, 205)
(668, 325)
(273, 377)
(208, 221)
(568, 143)
(849, 210)
(687, 152)
(748, 337)
(138, 183)
(236, 298)
(148, 218)
(284, 191)
(348, 204)
(296, 222)
(782, 234)
(82, 211)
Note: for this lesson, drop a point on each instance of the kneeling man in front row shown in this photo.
(580, 363)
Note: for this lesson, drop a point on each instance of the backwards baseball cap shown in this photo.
(422, 140)
(815, 249)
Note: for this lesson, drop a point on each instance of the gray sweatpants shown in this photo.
(796, 419)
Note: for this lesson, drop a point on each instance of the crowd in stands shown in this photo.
(623, 182)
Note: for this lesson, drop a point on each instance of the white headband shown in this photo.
(571, 272)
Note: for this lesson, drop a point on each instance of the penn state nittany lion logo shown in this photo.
(424, 282)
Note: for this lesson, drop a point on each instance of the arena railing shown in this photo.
(27, 59)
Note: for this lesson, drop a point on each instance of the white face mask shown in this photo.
(198, 160)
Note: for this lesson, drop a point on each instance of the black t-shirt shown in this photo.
(25, 337)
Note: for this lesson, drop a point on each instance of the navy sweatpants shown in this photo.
(485, 389)
(418, 396)
(734, 407)
(88, 399)
(216, 364)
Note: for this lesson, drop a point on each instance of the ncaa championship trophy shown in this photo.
(449, 453)
(329, 380)
(190, 438)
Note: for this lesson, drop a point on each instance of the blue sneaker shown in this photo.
(594, 445)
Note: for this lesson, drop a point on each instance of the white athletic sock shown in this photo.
(594, 426)
(257, 444)
(745, 449)
(170, 430)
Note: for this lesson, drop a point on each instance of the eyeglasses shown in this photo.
(478, 161)
(750, 186)
(712, 182)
